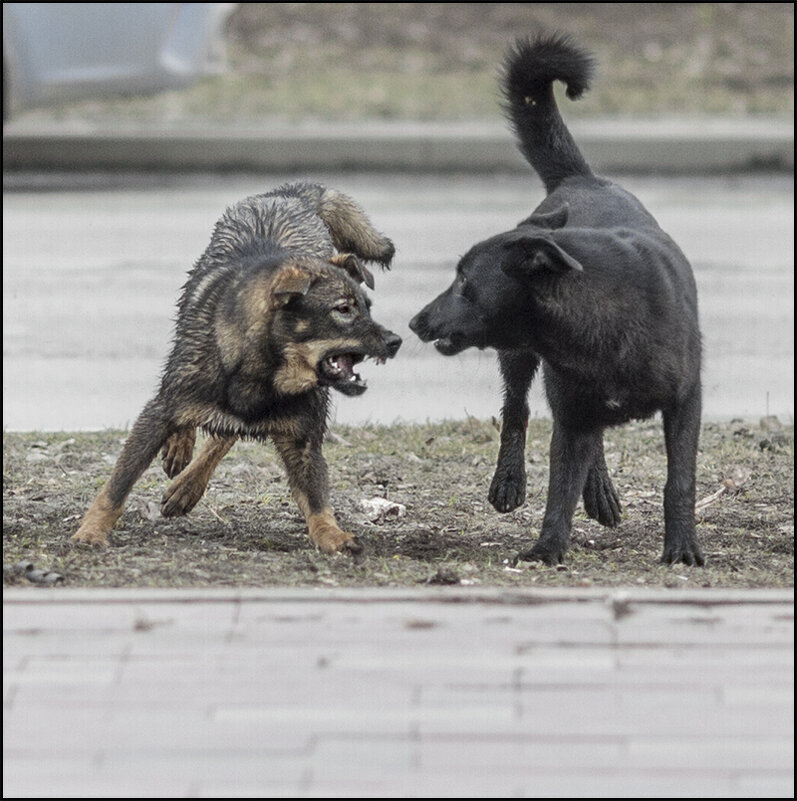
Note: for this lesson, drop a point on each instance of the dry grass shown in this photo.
(248, 532)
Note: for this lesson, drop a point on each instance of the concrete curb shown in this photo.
(674, 146)
(441, 595)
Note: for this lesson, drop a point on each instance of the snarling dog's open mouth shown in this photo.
(336, 370)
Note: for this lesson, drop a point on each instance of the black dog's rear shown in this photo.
(590, 286)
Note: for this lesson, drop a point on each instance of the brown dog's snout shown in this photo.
(392, 343)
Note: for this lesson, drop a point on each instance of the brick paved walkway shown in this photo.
(398, 694)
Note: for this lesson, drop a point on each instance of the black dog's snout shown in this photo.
(418, 323)
(392, 343)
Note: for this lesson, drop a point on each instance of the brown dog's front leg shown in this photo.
(187, 489)
(307, 476)
(147, 436)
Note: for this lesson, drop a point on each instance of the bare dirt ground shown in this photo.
(439, 61)
(437, 528)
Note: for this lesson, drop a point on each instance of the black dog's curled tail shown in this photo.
(530, 70)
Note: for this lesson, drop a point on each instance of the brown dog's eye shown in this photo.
(345, 311)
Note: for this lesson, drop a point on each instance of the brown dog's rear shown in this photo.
(271, 318)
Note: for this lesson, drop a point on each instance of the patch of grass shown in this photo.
(248, 532)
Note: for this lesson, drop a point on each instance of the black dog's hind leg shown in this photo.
(681, 435)
(601, 501)
(572, 455)
(508, 487)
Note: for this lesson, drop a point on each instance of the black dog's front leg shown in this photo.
(681, 434)
(572, 455)
(508, 487)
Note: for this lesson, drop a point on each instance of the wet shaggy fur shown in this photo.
(590, 287)
(272, 316)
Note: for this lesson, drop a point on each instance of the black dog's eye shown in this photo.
(462, 287)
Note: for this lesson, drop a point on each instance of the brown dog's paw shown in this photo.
(181, 497)
(89, 534)
(328, 538)
(177, 452)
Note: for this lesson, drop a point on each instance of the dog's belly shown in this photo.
(294, 416)
(597, 402)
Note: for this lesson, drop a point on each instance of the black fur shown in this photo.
(590, 287)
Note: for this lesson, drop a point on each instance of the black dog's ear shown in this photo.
(552, 220)
(354, 267)
(532, 254)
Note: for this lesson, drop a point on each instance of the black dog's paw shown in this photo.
(687, 552)
(601, 501)
(550, 552)
(508, 488)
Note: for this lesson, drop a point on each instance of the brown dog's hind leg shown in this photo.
(177, 451)
(185, 492)
(307, 476)
(148, 434)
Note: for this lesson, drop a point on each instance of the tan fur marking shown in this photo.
(325, 532)
(298, 373)
(98, 521)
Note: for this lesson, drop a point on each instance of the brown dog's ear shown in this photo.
(290, 282)
(531, 254)
(354, 267)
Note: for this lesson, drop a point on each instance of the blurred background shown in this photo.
(129, 127)
(398, 61)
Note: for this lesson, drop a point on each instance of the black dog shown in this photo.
(590, 286)
(271, 318)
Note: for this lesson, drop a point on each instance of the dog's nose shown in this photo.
(415, 323)
(392, 343)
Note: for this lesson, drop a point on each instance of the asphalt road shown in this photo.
(92, 267)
